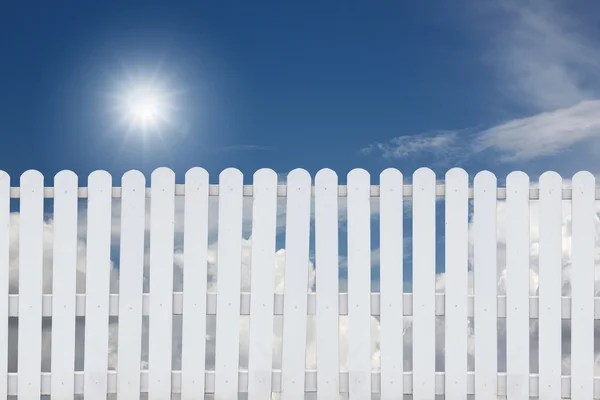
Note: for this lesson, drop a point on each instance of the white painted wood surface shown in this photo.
(195, 248)
(293, 360)
(4, 277)
(486, 285)
(517, 286)
(391, 277)
(31, 241)
(327, 282)
(456, 285)
(160, 329)
(194, 303)
(424, 240)
(64, 284)
(229, 264)
(359, 284)
(97, 288)
(583, 245)
(550, 286)
(131, 278)
(262, 284)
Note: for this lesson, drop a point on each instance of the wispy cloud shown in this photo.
(439, 143)
(516, 140)
(541, 135)
(546, 64)
(248, 147)
(543, 57)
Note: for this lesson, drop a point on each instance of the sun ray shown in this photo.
(143, 103)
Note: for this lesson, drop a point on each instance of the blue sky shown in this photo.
(312, 85)
(283, 85)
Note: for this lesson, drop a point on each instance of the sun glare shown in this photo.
(144, 105)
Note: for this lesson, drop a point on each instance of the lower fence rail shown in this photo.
(310, 385)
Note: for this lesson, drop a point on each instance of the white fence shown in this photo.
(476, 294)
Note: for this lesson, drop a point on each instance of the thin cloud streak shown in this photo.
(517, 140)
(543, 58)
(545, 63)
(248, 147)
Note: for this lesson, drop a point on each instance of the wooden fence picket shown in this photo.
(131, 278)
(391, 215)
(456, 285)
(390, 306)
(327, 277)
(359, 284)
(4, 277)
(229, 261)
(583, 245)
(517, 286)
(31, 246)
(262, 284)
(424, 284)
(64, 285)
(97, 288)
(160, 329)
(486, 285)
(293, 359)
(195, 248)
(550, 286)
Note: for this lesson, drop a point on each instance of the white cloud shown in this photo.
(545, 134)
(548, 65)
(403, 147)
(517, 140)
(543, 56)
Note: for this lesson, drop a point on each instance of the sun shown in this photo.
(144, 104)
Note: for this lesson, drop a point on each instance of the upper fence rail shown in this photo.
(248, 190)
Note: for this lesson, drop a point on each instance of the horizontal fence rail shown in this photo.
(504, 277)
(311, 301)
(247, 190)
(310, 385)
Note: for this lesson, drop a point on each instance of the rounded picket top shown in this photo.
(551, 179)
(32, 176)
(324, 171)
(359, 174)
(65, 176)
(196, 178)
(517, 178)
(133, 178)
(485, 178)
(298, 178)
(100, 178)
(423, 173)
(66, 180)
(231, 176)
(326, 178)
(162, 173)
(456, 174)
(264, 176)
(584, 181)
(391, 179)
